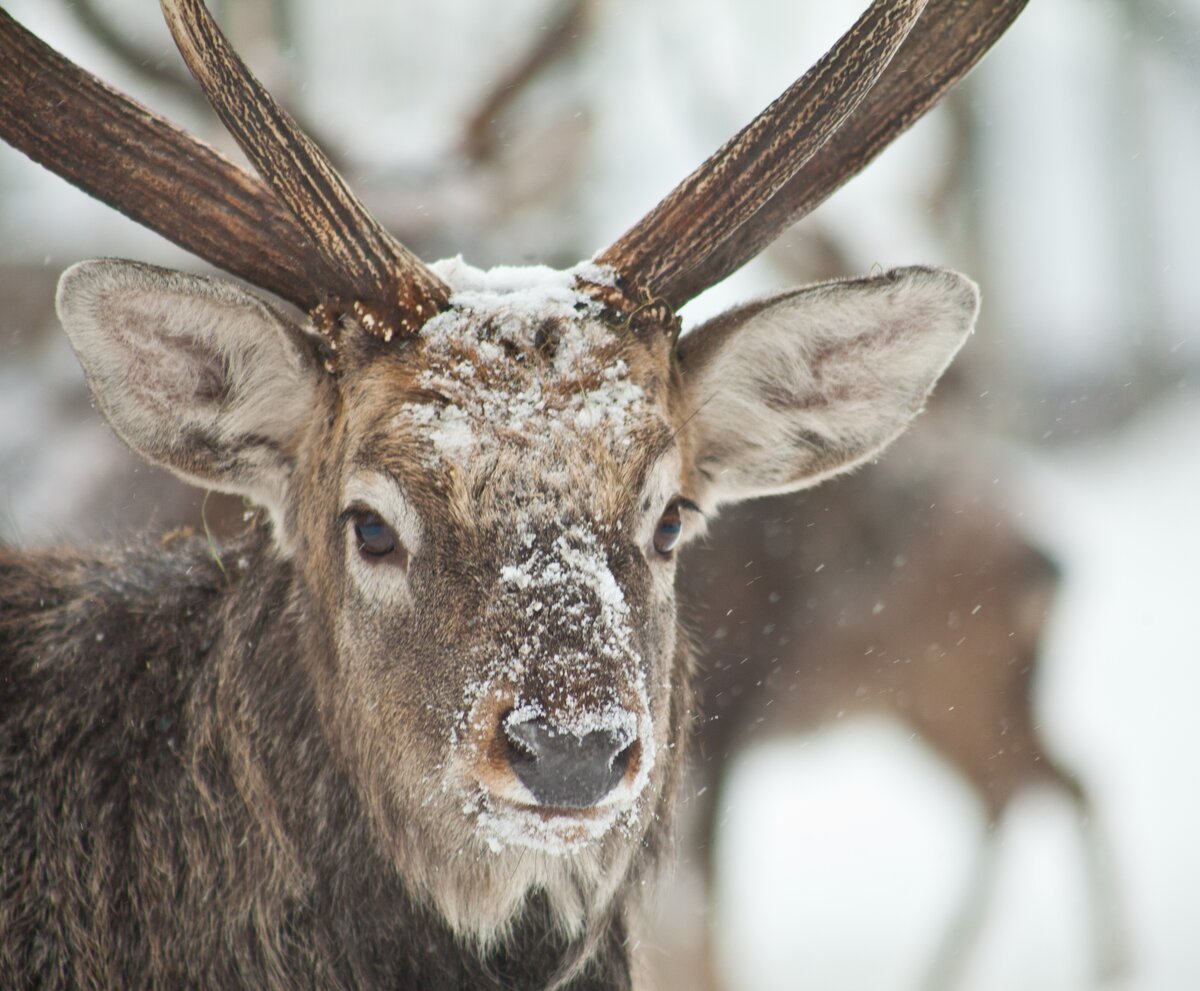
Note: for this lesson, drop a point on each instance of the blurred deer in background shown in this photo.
(423, 724)
(905, 590)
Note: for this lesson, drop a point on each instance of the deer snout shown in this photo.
(564, 769)
(551, 770)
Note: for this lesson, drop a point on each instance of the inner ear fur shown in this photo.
(790, 390)
(194, 374)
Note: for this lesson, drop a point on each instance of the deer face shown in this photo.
(479, 522)
(482, 520)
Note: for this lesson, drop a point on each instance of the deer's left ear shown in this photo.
(801, 386)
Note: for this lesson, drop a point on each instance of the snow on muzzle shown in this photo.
(557, 743)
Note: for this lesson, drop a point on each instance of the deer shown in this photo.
(911, 592)
(424, 723)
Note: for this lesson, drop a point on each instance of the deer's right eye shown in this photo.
(376, 540)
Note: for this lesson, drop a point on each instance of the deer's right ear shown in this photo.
(194, 374)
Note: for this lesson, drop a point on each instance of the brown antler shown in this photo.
(734, 183)
(390, 287)
(950, 38)
(123, 154)
(877, 80)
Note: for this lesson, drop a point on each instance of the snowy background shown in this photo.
(1063, 177)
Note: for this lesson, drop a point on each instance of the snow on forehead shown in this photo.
(513, 279)
(521, 354)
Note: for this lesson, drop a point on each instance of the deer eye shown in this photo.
(375, 539)
(669, 529)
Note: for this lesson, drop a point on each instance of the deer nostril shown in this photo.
(522, 743)
(623, 759)
(562, 769)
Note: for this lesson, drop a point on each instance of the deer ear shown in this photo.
(194, 374)
(796, 388)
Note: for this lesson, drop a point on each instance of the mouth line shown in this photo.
(551, 813)
(552, 829)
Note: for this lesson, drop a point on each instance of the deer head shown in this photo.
(480, 480)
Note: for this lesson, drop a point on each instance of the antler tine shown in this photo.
(735, 182)
(157, 175)
(950, 38)
(389, 287)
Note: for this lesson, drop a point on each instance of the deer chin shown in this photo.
(570, 857)
(483, 911)
(475, 861)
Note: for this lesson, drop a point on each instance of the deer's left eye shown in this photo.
(669, 529)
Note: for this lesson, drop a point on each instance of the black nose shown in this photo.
(563, 769)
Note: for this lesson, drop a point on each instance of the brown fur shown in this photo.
(267, 773)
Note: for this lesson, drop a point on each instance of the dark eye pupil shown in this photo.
(375, 538)
(669, 529)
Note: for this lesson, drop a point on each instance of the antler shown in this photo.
(873, 84)
(392, 287)
(735, 182)
(157, 175)
(324, 252)
(304, 236)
